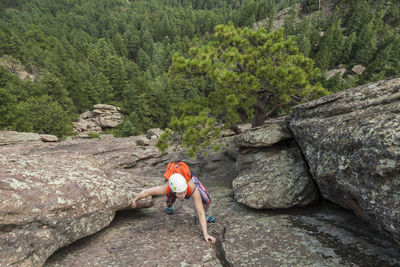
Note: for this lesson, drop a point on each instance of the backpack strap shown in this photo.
(205, 197)
(191, 193)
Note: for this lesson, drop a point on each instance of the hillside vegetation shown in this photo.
(342, 34)
(58, 58)
(98, 51)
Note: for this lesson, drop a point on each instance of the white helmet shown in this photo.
(177, 183)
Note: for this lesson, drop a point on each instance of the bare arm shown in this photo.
(153, 191)
(202, 216)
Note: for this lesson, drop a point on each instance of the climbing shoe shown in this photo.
(170, 209)
(210, 219)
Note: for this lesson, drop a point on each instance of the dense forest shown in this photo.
(140, 55)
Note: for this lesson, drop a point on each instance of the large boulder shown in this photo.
(157, 132)
(55, 193)
(271, 133)
(351, 141)
(358, 69)
(333, 72)
(271, 170)
(101, 118)
(274, 178)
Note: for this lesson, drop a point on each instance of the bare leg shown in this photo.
(205, 206)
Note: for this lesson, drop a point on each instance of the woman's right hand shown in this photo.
(209, 238)
(134, 204)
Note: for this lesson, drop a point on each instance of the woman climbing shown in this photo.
(181, 184)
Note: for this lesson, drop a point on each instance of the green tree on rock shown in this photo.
(242, 75)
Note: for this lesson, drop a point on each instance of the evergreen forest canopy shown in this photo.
(102, 51)
(132, 54)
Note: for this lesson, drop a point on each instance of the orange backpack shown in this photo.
(177, 167)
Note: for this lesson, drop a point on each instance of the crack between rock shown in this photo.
(219, 250)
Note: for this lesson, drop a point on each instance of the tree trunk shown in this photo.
(261, 108)
(258, 116)
(235, 129)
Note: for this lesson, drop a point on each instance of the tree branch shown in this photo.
(272, 111)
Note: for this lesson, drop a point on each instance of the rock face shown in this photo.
(271, 133)
(274, 178)
(279, 18)
(271, 174)
(351, 141)
(100, 118)
(333, 72)
(16, 67)
(157, 132)
(55, 193)
(358, 69)
(12, 137)
(323, 235)
(320, 237)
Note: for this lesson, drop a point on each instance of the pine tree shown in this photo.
(42, 115)
(53, 87)
(120, 45)
(337, 43)
(253, 75)
(331, 47)
(359, 15)
(146, 41)
(290, 23)
(303, 37)
(115, 71)
(143, 59)
(133, 41)
(103, 88)
(366, 44)
(311, 5)
(5, 46)
(387, 59)
(348, 47)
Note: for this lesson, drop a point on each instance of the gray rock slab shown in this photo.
(351, 141)
(53, 194)
(48, 138)
(272, 178)
(143, 238)
(264, 136)
(321, 235)
(12, 137)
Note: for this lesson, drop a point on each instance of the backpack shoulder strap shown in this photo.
(189, 192)
(169, 170)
